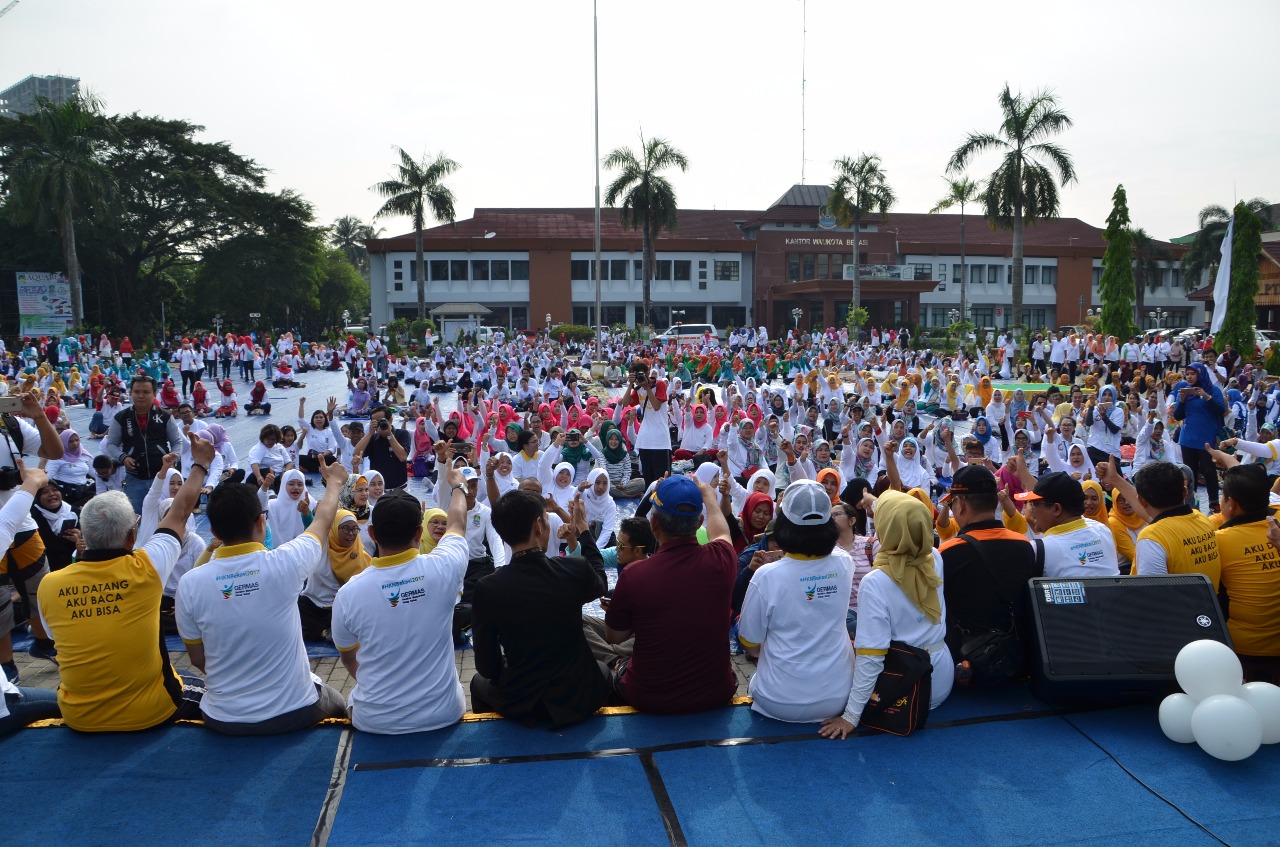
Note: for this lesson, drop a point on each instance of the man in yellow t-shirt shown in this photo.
(1178, 539)
(1250, 592)
(104, 612)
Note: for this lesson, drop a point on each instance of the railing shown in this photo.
(902, 272)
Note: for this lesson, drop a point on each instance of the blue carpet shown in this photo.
(606, 801)
(176, 786)
(1018, 783)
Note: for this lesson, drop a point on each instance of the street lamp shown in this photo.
(548, 324)
(674, 313)
(346, 317)
(1082, 309)
(217, 324)
(795, 316)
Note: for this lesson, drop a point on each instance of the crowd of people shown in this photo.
(808, 500)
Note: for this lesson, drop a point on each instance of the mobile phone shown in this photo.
(10, 404)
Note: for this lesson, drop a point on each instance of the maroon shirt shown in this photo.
(677, 604)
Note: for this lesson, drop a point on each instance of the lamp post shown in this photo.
(674, 313)
(1082, 309)
(548, 326)
(217, 325)
(795, 317)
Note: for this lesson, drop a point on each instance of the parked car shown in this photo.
(689, 334)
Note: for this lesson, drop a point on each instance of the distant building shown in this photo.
(20, 99)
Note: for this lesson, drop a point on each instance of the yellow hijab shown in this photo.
(905, 529)
(428, 543)
(1130, 521)
(348, 561)
(1099, 514)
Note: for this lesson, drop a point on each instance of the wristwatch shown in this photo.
(460, 487)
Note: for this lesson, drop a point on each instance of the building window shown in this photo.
(899, 312)
(993, 274)
(397, 264)
(1034, 318)
(728, 271)
(500, 269)
(823, 269)
(480, 269)
(1097, 277)
(519, 268)
(975, 274)
(806, 266)
(983, 316)
(793, 267)
(1177, 278)
(399, 286)
(638, 264)
(955, 274)
(617, 270)
(458, 269)
(702, 264)
(439, 270)
(580, 269)
(1031, 274)
(582, 315)
(613, 315)
(922, 271)
(520, 315)
(1049, 276)
(727, 316)
(662, 269)
(399, 275)
(682, 270)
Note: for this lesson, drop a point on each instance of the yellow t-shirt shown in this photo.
(1190, 545)
(105, 617)
(1251, 578)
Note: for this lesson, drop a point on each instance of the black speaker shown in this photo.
(1110, 639)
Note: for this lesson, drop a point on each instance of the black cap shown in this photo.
(396, 508)
(1056, 487)
(973, 479)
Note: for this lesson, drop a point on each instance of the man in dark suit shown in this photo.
(530, 614)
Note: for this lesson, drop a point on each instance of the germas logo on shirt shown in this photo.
(399, 595)
(230, 587)
(815, 590)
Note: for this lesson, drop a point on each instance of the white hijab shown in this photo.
(283, 516)
(563, 494)
(597, 505)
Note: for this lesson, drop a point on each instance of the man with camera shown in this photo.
(140, 437)
(24, 565)
(653, 441)
(387, 449)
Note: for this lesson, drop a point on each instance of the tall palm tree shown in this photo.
(1206, 248)
(648, 201)
(417, 187)
(960, 192)
(1022, 189)
(859, 187)
(349, 234)
(1148, 257)
(58, 172)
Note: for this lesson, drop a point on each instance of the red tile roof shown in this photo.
(580, 223)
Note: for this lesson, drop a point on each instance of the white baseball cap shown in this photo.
(806, 503)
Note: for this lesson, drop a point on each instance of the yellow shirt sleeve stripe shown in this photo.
(745, 643)
(870, 651)
(193, 641)
(355, 646)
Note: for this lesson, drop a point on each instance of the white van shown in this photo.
(689, 334)
(485, 334)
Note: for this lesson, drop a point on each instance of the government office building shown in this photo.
(734, 267)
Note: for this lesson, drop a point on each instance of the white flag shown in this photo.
(1223, 282)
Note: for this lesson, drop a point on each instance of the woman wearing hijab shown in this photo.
(900, 600)
(169, 397)
(909, 468)
(602, 511)
(434, 523)
(805, 669)
(73, 470)
(258, 404)
(1202, 409)
(829, 478)
(57, 523)
(579, 454)
(345, 557)
(562, 488)
(288, 513)
(1125, 525)
(617, 463)
(752, 520)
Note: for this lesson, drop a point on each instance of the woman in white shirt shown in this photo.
(602, 511)
(76, 465)
(806, 662)
(268, 455)
(901, 600)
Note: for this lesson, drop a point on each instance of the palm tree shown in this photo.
(859, 186)
(960, 192)
(1022, 189)
(1206, 249)
(418, 187)
(1148, 257)
(58, 172)
(648, 201)
(349, 234)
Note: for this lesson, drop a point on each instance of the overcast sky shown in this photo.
(1175, 99)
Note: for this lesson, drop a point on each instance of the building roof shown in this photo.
(804, 195)
(535, 223)
(460, 310)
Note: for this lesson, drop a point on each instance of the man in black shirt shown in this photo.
(387, 448)
(139, 438)
(979, 593)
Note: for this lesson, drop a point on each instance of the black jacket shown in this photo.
(531, 612)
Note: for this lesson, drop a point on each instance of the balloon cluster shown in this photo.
(1229, 721)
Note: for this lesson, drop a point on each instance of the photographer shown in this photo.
(387, 449)
(653, 441)
(24, 565)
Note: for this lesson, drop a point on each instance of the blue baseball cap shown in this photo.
(677, 495)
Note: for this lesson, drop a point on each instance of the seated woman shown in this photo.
(227, 407)
(282, 376)
(71, 474)
(268, 455)
(170, 399)
(806, 661)
(361, 399)
(257, 404)
(901, 600)
(200, 400)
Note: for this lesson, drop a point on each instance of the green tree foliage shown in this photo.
(417, 188)
(1149, 260)
(53, 162)
(1242, 312)
(1022, 189)
(349, 234)
(1116, 287)
(648, 202)
(1202, 256)
(859, 187)
(960, 192)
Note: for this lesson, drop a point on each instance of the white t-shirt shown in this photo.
(795, 609)
(399, 612)
(653, 433)
(30, 445)
(269, 458)
(243, 606)
(1075, 550)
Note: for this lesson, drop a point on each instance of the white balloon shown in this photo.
(1265, 700)
(1205, 668)
(1227, 727)
(1175, 718)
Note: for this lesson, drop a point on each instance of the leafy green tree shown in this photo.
(1022, 189)
(648, 201)
(960, 192)
(349, 234)
(1242, 311)
(1149, 259)
(54, 162)
(859, 187)
(1202, 256)
(340, 287)
(1116, 287)
(417, 188)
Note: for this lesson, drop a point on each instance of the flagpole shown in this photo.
(595, 68)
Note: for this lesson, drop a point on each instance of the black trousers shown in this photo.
(1201, 462)
(653, 464)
